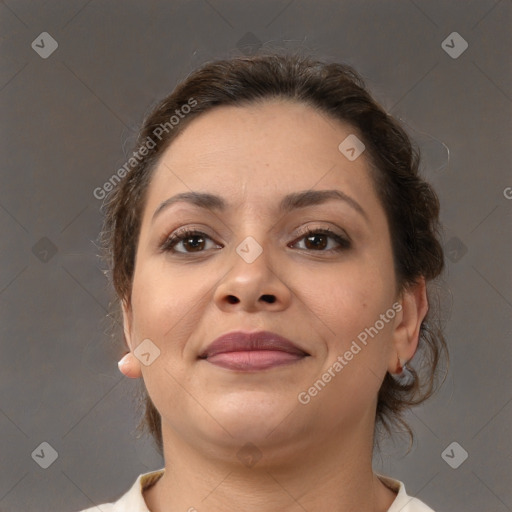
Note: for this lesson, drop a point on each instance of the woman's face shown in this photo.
(254, 268)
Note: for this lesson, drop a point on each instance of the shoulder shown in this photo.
(133, 499)
(403, 502)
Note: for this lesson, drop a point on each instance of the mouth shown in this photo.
(261, 350)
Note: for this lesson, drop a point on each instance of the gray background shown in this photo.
(67, 124)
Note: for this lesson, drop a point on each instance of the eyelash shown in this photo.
(182, 234)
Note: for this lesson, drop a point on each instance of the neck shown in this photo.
(334, 473)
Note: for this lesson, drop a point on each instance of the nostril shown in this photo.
(269, 298)
(232, 299)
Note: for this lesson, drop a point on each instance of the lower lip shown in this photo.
(253, 360)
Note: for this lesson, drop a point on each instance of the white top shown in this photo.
(133, 501)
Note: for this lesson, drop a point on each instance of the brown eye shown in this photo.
(189, 239)
(318, 239)
(195, 242)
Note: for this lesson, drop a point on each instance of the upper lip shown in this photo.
(240, 341)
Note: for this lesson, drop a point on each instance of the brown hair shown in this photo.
(411, 205)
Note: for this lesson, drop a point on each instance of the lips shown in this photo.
(238, 350)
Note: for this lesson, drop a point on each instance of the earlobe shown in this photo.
(406, 333)
(130, 366)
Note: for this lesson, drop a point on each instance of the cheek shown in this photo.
(163, 303)
(348, 304)
(166, 311)
(348, 298)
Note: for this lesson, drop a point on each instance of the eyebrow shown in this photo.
(288, 203)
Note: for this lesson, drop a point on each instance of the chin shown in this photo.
(253, 416)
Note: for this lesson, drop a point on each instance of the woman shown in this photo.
(271, 247)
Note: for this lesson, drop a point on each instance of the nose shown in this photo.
(253, 285)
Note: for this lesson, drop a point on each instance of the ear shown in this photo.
(414, 304)
(129, 365)
(127, 322)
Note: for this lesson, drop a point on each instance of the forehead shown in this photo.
(260, 151)
(263, 130)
